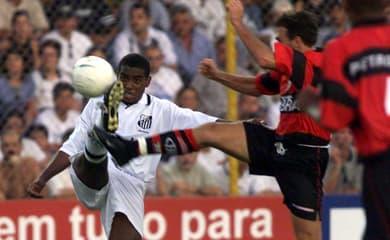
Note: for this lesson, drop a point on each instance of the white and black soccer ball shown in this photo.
(92, 76)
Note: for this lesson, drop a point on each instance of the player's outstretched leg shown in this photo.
(228, 137)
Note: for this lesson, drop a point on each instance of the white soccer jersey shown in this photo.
(128, 183)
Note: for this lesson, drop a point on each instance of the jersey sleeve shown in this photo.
(268, 83)
(76, 140)
(292, 65)
(338, 96)
(186, 118)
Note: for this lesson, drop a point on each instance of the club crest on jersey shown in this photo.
(170, 146)
(144, 121)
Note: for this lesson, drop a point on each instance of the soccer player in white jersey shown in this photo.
(100, 183)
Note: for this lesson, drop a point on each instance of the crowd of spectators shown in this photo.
(40, 40)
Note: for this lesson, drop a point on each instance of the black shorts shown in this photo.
(299, 170)
(376, 196)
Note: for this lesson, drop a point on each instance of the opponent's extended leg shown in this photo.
(228, 137)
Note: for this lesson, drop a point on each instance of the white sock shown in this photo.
(94, 151)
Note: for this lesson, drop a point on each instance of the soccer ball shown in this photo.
(92, 76)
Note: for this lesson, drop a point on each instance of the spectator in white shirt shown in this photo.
(74, 44)
(33, 7)
(48, 75)
(60, 118)
(248, 184)
(139, 35)
(165, 81)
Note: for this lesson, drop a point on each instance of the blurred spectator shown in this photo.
(48, 75)
(188, 97)
(74, 44)
(88, 12)
(60, 118)
(16, 122)
(40, 135)
(60, 186)
(16, 88)
(209, 15)
(212, 95)
(16, 171)
(249, 108)
(165, 81)
(185, 177)
(344, 172)
(339, 23)
(253, 13)
(159, 16)
(139, 35)
(34, 9)
(191, 45)
(247, 184)
(22, 40)
(97, 51)
(279, 7)
(318, 7)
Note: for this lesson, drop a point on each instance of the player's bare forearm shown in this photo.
(259, 50)
(57, 165)
(242, 84)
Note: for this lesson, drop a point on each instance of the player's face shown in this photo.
(134, 83)
(283, 37)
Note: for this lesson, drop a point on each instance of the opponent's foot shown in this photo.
(121, 149)
(110, 109)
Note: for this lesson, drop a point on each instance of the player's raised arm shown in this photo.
(260, 51)
(243, 84)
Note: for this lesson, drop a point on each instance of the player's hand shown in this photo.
(208, 68)
(35, 188)
(235, 9)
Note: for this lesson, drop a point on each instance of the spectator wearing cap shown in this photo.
(165, 81)
(191, 45)
(34, 9)
(159, 15)
(139, 35)
(74, 44)
(62, 117)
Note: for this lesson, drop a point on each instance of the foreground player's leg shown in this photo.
(122, 229)
(91, 167)
(228, 137)
(306, 229)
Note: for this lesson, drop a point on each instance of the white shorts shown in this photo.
(123, 193)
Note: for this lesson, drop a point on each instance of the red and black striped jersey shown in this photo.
(294, 70)
(356, 86)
